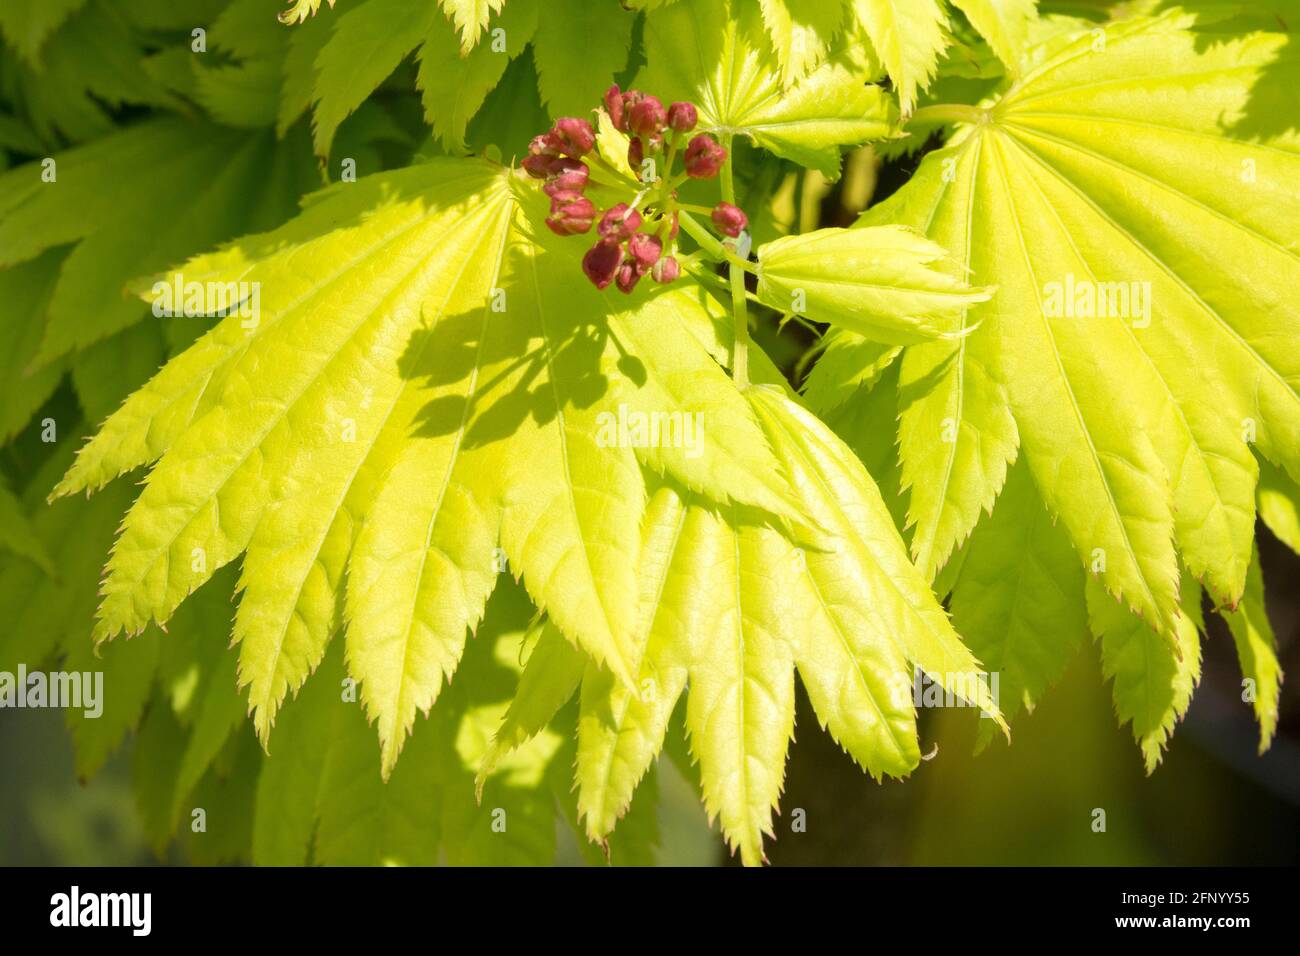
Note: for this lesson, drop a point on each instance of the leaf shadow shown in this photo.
(1270, 110)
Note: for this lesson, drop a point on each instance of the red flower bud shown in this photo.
(561, 198)
(601, 263)
(635, 154)
(619, 222)
(537, 166)
(666, 270)
(614, 107)
(543, 151)
(644, 251)
(574, 137)
(569, 176)
(704, 156)
(682, 117)
(545, 144)
(730, 220)
(630, 99)
(571, 214)
(647, 116)
(627, 278)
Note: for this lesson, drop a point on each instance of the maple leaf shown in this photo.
(451, 378)
(735, 608)
(717, 55)
(1046, 382)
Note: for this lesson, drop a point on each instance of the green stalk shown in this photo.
(739, 301)
(949, 113)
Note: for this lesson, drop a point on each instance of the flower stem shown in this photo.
(739, 302)
(709, 243)
(949, 113)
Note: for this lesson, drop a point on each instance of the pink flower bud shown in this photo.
(682, 117)
(569, 176)
(571, 214)
(575, 137)
(666, 270)
(543, 151)
(562, 197)
(537, 166)
(614, 107)
(619, 222)
(647, 116)
(627, 278)
(635, 153)
(704, 156)
(545, 144)
(601, 263)
(630, 99)
(730, 220)
(644, 250)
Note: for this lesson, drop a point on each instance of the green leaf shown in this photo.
(25, 291)
(27, 23)
(1153, 681)
(301, 10)
(580, 46)
(1019, 599)
(717, 55)
(740, 710)
(877, 282)
(511, 821)
(860, 575)
(155, 758)
(1279, 504)
(547, 682)
(868, 424)
(1006, 25)
(738, 606)
(18, 536)
(298, 74)
(801, 32)
(215, 184)
(127, 670)
(289, 788)
(225, 794)
(92, 65)
(454, 83)
(365, 820)
(367, 45)
(620, 728)
(460, 396)
(956, 431)
(220, 709)
(470, 18)
(846, 363)
(908, 35)
(47, 613)
(1053, 200)
(104, 373)
(1257, 651)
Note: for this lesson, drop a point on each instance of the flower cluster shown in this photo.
(637, 237)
